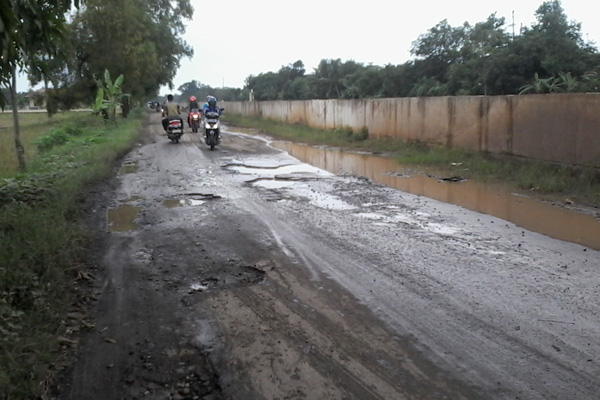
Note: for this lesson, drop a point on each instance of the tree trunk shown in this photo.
(17, 133)
(50, 104)
(126, 106)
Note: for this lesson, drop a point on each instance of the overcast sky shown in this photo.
(233, 39)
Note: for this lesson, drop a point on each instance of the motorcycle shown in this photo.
(194, 119)
(175, 130)
(212, 128)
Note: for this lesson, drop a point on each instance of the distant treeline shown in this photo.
(483, 59)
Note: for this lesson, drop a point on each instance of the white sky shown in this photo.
(250, 37)
(233, 39)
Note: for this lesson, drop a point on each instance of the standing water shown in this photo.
(531, 214)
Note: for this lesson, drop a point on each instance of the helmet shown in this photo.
(193, 98)
(212, 101)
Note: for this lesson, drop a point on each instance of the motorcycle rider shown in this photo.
(193, 105)
(171, 111)
(211, 105)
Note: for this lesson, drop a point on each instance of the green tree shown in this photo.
(439, 48)
(301, 88)
(468, 74)
(551, 47)
(559, 43)
(480, 59)
(286, 84)
(28, 30)
(331, 77)
(265, 85)
(140, 39)
(397, 80)
(286, 77)
(511, 67)
(429, 87)
(192, 88)
(227, 94)
(365, 82)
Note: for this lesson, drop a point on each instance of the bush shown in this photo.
(57, 137)
(361, 135)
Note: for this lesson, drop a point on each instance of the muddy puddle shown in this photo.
(529, 213)
(123, 218)
(128, 169)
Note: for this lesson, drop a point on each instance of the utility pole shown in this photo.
(513, 25)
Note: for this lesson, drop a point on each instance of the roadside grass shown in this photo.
(33, 125)
(43, 239)
(546, 180)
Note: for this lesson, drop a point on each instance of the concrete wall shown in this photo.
(554, 127)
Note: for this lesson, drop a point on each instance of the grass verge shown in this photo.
(33, 125)
(44, 241)
(550, 181)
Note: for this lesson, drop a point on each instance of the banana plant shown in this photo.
(541, 85)
(109, 96)
(98, 105)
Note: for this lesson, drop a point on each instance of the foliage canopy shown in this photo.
(140, 39)
(480, 59)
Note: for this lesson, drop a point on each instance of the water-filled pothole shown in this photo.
(286, 171)
(123, 218)
(173, 203)
(128, 169)
(190, 200)
(529, 213)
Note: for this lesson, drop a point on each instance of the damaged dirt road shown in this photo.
(242, 273)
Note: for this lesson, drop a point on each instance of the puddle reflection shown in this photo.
(173, 203)
(528, 213)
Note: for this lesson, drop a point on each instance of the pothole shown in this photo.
(272, 183)
(173, 203)
(290, 170)
(190, 200)
(132, 199)
(129, 168)
(245, 275)
(123, 218)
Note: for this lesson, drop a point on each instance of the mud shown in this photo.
(558, 219)
(242, 273)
